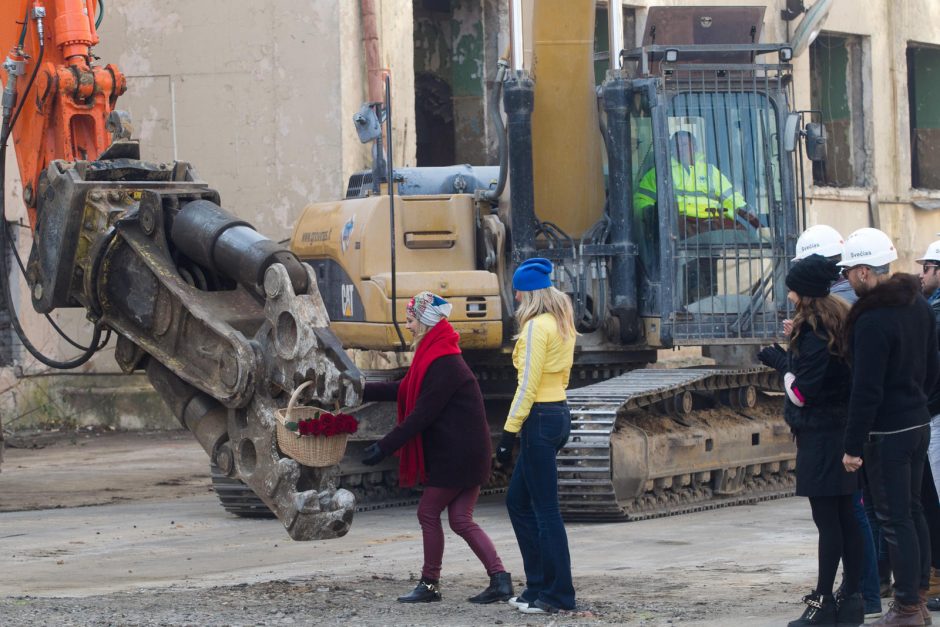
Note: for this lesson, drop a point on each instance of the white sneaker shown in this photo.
(517, 603)
(537, 607)
(532, 608)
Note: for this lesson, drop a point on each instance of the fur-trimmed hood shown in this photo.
(900, 290)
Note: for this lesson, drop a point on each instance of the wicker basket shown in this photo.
(310, 450)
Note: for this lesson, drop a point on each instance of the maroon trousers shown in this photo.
(459, 503)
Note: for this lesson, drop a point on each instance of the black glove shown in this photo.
(373, 455)
(504, 448)
(775, 357)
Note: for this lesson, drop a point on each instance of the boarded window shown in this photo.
(450, 115)
(836, 75)
(923, 86)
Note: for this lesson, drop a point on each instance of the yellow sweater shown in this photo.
(543, 362)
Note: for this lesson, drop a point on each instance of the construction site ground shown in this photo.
(123, 529)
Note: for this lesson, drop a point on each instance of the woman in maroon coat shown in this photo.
(443, 442)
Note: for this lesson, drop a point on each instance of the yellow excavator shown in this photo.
(226, 323)
(643, 273)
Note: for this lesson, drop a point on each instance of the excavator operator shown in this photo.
(708, 204)
(702, 191)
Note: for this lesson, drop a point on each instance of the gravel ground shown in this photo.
(137, 538)
(371, 601)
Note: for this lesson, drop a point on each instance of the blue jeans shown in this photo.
(870, 586)
(532, 501)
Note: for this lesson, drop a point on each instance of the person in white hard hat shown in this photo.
(930, 283)
(930, 276)
(822, 239)
(895, 364)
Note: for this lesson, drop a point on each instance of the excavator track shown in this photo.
(654, 443)
(373, 490)
(646, 444)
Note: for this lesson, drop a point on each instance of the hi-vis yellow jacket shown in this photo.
(543, 361)
(700, 190)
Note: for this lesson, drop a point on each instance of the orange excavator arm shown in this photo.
(65, 114)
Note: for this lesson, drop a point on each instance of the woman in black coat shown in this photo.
(443, 442)
(817, 382)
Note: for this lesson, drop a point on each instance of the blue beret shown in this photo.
(533, 274)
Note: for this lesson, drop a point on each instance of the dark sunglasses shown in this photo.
(927, 266)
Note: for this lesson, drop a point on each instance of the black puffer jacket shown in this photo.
(823, 380)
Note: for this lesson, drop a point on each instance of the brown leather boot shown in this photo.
(934, 589)
(924, 612)
(901, 616)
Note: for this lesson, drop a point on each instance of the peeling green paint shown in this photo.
(467, 33)
(829, 58)
(601, 44)
(432, 45)
(450, 46)
(926, 88)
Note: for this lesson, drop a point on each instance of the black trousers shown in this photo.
(895, 471)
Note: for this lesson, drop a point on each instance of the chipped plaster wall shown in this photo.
(244, 92)
(258, 96)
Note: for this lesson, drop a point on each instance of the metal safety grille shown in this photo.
(733, 204)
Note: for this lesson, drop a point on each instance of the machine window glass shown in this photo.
(736, 134)
(923, 65)
(837, 91)
(646, 217)
(725, 172)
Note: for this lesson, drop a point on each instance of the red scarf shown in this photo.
(440, 340)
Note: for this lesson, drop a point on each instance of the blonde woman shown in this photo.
(539, 416)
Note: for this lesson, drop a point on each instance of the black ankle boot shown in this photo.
(425, 592)
(820, 610)
(850, 610)
(500, 589)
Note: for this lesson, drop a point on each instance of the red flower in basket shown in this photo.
(326, 424)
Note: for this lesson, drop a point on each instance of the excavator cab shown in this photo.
(714, 206)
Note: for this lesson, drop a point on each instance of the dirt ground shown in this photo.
(92, 466)
(123, 529)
